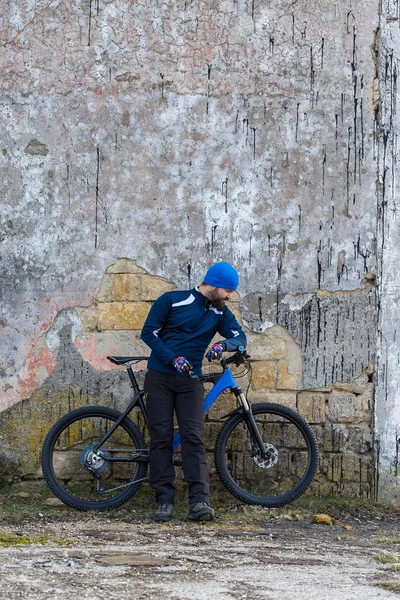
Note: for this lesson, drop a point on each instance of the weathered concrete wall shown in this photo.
(178, 134)
(336, 332)
(387, 414)
(81, 337)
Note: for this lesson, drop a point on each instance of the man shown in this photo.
(178, 329)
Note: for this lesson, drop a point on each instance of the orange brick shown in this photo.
(120, 315)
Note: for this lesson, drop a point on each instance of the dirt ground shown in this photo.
(51, 552)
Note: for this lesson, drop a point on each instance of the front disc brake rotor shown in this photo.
(92, 461)
(268, 459)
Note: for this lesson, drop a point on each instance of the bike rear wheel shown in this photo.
(291, 463)
(82, 477)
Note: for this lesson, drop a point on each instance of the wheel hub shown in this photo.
(94, 461)
(267, 459)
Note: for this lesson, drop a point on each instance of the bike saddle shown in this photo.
(121, 360)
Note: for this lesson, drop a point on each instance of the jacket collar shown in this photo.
(197, 294)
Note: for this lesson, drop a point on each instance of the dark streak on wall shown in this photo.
(335, 332)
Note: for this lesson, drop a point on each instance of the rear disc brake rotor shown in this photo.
(91, 460)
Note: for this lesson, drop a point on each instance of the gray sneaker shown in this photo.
(164, 513)
(200, 511)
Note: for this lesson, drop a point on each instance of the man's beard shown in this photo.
(215, 301)
(219, 304)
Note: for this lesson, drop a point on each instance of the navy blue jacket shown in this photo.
(183, 323)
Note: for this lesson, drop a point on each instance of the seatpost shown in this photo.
(133, 380)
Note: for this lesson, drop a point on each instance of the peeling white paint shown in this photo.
(66, 318)
(387, 395)
(258, 327)
(297, 301)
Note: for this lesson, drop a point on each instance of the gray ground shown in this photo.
(247, 553)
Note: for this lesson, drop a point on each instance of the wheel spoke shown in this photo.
(278, 475)
(78, 470)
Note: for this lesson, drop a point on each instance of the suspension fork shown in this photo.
(250, 420)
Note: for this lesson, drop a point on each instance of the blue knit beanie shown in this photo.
(222, 275)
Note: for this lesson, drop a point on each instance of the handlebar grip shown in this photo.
(231, 359)
(238, 358)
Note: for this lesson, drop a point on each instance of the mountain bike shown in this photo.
(95, 458)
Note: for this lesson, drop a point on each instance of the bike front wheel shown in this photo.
(88, 477)
(279, 475)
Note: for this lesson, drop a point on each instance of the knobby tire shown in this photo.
(59, 488)
(271, 487)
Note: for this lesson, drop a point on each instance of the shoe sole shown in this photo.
(163, 519)
(207, 516)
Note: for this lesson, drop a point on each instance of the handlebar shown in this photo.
(239, 358)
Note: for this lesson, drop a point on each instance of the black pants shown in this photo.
(166, 393)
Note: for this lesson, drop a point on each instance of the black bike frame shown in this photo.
(137, 401)
(209, 400)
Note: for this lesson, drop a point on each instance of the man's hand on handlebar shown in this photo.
(215, 352)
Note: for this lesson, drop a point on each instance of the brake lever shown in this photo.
(241, 358)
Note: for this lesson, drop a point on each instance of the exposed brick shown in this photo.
(235, 299)
(335, 437)
(264, 374)
(211, 431)
(152, 288)
(335, 467)
(125, 265)
(354, 387)
(325, 465)
(312, 406)
(355, 468)
(319, 433)
(119, 315)
(359, 439)
(223, 405)
(66, 464)
(292, 438)
(105, 292)
(125, 287)
(88, 317)
(287, 380)
(263, 346)
(367, 398)
(355, 490)
(324, 488)
(345, 408)
(288, 399)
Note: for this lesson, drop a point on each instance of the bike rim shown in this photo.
(284, 474)
(69, 466)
